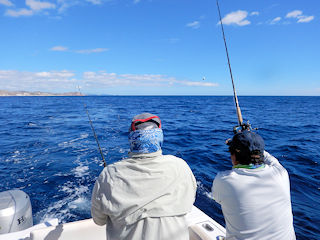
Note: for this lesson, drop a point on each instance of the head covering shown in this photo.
(145, 121)
(248, 145)
(145, 135)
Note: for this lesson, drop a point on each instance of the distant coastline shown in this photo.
(4, 93)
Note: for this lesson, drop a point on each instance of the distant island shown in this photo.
(37, 93)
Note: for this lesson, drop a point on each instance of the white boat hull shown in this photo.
(201, 227)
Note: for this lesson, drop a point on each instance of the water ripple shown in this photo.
(48, 149)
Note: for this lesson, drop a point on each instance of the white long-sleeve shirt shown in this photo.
(256, 202)
(144, 197)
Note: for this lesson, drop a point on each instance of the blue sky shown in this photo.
(160, 47)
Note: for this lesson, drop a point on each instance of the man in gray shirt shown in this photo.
(146, 196)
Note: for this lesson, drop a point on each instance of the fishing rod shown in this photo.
(94, 132)
(242, 126)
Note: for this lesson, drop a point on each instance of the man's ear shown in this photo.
(234, 159)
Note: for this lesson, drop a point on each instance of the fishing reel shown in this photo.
(240, 128)
(243, 127)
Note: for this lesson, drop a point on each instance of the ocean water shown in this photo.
(47, 148)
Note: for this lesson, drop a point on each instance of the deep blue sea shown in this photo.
(47, 148)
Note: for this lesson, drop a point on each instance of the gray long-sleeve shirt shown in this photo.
(144, 197)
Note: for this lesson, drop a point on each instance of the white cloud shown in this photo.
(195, 24)
(38, 6)
(19, 13)
(294, 14)
(297, 14)
(136, 1)
(59, 49)
(199, 84)
(275, 20)
(35, 6)
(6, 3)
(63, 5)
(104, 79)
(95, 2)
(37, 81)
(254, 13)
(88, 51)
(236, 18)
(305, 19)
(66, 81)
(83, 51)
(55, 74)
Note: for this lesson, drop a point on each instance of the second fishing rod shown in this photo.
(94, 132)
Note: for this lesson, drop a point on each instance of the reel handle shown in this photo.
(243, 127)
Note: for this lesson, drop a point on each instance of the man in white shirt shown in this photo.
(146, 196)
(255, 194)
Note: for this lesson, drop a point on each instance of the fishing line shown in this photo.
(94, 132)
(242, 126)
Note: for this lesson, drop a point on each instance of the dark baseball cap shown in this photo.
(247, 141)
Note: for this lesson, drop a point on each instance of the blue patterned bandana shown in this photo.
(146, 141)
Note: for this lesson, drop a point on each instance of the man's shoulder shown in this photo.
(224, 177)
(116, 166)
(174, 159)
(169, 156)
(176, 163)
(112, 166)
(225, 174)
